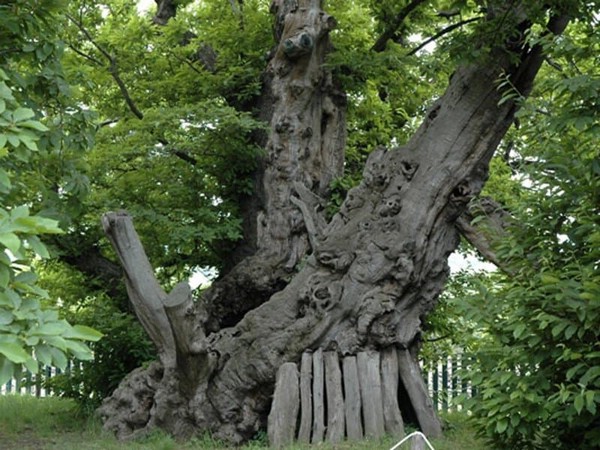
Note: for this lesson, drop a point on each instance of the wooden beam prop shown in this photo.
(410, 375)
(281, 426)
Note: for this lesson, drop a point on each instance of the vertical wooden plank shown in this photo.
(410, 375)
(305, 398)
(352, 403)
(393, 423)
(370, 393)
(281, 424)
(318, 429)
(335, 398)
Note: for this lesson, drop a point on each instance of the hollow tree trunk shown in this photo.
(375, 270)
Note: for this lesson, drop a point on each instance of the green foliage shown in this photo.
(29, 334)
(183, 168)
(184, 194)
(538, 359)
(123, 348)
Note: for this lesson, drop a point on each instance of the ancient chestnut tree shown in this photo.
(365, 278)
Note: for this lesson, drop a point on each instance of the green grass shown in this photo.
(28, 423)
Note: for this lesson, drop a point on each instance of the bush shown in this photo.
(123, 348)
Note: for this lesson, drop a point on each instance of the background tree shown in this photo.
(537, 370)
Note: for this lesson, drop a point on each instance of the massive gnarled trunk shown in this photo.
(368, 277)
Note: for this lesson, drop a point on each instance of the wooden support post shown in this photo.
(417, 443)
(318, 398)
(410, 375)
(305, 398)
(335, 398)
(281, 425)
(354, 429)
(370, 392)
(394, 425)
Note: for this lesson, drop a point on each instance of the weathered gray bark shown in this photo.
(375, 270)
(305, 146)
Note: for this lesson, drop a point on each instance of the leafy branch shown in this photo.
(441, 33)
(395, 24)
(113, 68)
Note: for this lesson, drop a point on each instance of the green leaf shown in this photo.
(558, 328)
(519, 329)
(578, 403)
(7, 370)
(5, 92)
(6, 317)
(80, 351)
(50, 329)
(590, 402)
(13, 140)
(56, 341)
(14, 352)
(32, 365)
(591, 374)
(34, 124)
(43, 354)
(20, 211)
(5, 183)
(38, 247)
(549, 279)
(570, 331)
(32, 340)
(26, 277)
(4, 277)
(38, 225)
(11, 241)
(21, 114)
(58, 358)
(501, 426)
(29, 142)
(84, 333)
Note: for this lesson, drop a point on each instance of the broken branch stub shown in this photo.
(169, 319)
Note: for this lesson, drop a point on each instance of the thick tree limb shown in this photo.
(169, 320)
(392, 28)
(488, 231)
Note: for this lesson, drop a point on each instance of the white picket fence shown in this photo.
(33, 384)
(442, 378)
